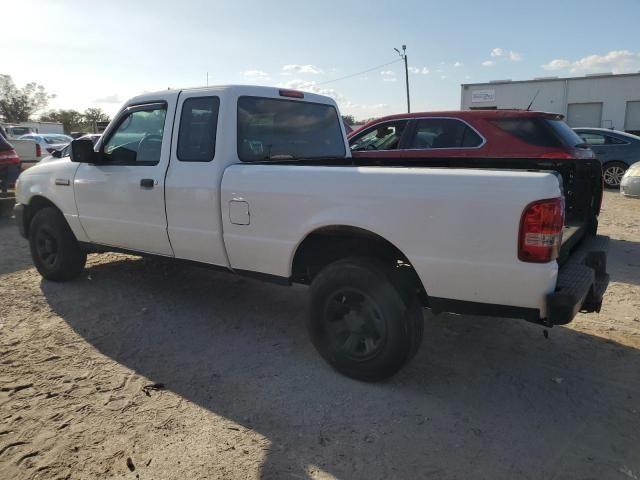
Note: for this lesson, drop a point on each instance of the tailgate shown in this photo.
(582, 281)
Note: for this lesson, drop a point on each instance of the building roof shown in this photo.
(553, 79)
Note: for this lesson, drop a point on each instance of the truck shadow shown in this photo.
(484, 398)
(15, 249)
(624, 261)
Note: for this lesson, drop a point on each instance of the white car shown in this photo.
(630, 184)
(259, 181)
(49, 142)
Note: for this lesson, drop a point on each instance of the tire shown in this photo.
(359, 321)
(612, 173)
(54, 248)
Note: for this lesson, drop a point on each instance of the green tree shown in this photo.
(71, 120)
(93, 115)
(349, 119)
(18, 104)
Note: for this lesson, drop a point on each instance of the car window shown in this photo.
(198, 124)
(443, 133)
(380, 137)
(138, 137)
(593, 138)
(533, 131)
(271, 128)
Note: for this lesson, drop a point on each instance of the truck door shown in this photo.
(200, 145)
(121, 201)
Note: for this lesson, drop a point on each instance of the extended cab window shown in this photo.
(443, 133)
(381, 137)
(138, 137)
(271, 128)
(198, 124)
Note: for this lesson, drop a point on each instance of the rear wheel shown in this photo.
(359, 321)
(613, 173)
(54, 248)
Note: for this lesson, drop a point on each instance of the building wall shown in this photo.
(613, 91)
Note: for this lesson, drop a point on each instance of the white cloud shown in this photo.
(115, 98)
(420, 71)
(503, 52)
(312, 69)
(256, 75)
(389, 79)
(488, 63)
(458, 65)
(616, 61)
(387, 73)
(311, 86)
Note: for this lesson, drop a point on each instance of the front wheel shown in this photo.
(613, 173)
(360, 323)
(54, 248)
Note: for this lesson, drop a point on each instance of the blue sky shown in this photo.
(99, 53)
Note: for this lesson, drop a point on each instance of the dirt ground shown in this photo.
(246, 396)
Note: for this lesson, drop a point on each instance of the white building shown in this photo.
(598, 100)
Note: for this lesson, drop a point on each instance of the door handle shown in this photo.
(147, 183)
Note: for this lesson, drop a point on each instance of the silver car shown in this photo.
(630, 184)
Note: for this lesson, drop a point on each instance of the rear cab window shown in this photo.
(270, 128)
(198, 125)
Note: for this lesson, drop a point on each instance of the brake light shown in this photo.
(540, 233)
(291, 93)
(9, 157)
(38, 150)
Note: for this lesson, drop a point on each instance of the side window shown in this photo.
(138, 137)
(443, 133)
(383, 137)
(614, 141)
(198, 125)
(593, 138)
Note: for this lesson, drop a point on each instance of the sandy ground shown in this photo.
(246, 396)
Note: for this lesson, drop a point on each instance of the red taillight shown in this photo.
(38, 150)
(9, 157)
(291, 93)
(540, 234)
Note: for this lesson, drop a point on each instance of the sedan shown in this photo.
(616, 150)
(49, 142)
(630, 184)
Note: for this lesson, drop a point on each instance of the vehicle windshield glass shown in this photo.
(569, 137)
(270, 128)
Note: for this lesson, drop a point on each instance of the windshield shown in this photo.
(270, 128)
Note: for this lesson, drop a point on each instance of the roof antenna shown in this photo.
(533, 100)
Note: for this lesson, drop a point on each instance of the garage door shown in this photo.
(584, 114)
(632, 118)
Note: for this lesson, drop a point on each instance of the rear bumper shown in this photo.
(582, 281)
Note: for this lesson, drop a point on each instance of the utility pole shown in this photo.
(403, 55)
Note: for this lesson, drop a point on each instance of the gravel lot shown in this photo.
(245, 395)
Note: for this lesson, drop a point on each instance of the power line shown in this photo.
(360, 73)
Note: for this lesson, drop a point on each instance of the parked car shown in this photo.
(28, 151)
(16, 131)
(630, 184)
(66, 151)
(9, 165)
(512, 139)
(616, 151)
(49, 142)
(259, 181)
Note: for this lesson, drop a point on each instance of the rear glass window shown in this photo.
(569, 137)
(531, 130)
(198, 124)
(272, 128)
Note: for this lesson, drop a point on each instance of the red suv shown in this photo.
(469, 133)
(503, 139)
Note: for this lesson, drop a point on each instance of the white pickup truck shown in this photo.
(259, 181)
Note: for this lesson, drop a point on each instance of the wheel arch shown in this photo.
(36, 203)
(327, 244)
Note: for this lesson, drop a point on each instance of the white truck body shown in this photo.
(458, 228)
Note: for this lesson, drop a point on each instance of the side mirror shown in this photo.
(57, 154)
(82, 151)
